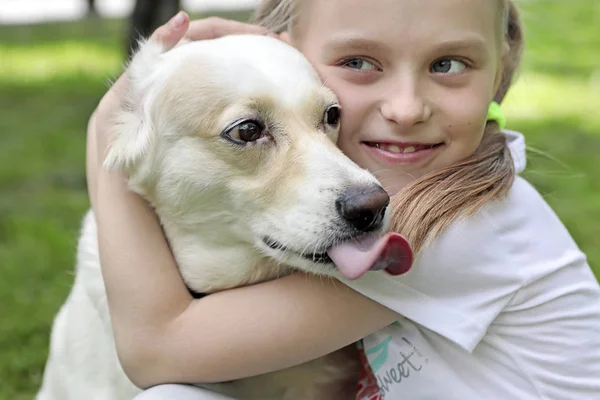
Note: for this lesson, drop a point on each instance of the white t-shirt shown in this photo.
(502, 305)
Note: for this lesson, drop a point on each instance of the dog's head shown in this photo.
(235, 138)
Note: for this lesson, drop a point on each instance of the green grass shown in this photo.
(52, 76)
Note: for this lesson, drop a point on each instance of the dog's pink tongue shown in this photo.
(390, 252)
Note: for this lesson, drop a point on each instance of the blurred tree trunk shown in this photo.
(146, 17)
(91, 7)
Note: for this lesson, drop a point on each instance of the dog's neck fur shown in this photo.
(208, 255)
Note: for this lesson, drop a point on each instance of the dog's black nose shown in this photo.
(363, 206)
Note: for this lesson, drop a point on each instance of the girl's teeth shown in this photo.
(392, 148)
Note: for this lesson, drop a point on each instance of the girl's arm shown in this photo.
(163, 335)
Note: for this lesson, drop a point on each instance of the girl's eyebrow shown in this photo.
(354, 42)
(474, 43)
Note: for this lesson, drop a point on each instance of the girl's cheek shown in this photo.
(353, 111)
(355, 100)
(467, 109)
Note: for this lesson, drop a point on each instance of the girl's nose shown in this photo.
(405, 106)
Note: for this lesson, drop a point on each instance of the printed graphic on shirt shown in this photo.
(394, 361)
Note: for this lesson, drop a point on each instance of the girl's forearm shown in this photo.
(143, 286)
(262, 328)
(163, 335)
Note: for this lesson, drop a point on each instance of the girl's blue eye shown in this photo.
(448, 66)
(360, 64)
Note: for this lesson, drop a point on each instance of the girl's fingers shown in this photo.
(173, 31)
(212, 28)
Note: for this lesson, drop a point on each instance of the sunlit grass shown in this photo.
(537, 95)
(560, 77)
(59, 60)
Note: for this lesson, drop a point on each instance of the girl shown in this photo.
(500, 303)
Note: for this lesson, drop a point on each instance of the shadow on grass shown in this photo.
(42, 181)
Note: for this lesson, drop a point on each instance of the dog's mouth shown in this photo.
(318, 257)
(354, 256)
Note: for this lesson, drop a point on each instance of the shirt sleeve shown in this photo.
(461, 282)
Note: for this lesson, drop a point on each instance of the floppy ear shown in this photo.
(132, 127)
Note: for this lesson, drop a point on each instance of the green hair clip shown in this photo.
(495, 114)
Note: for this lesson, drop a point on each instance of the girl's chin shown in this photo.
(394, 181)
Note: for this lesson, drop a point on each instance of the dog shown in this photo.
(232, 141)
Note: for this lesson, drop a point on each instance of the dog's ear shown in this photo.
(133, 130)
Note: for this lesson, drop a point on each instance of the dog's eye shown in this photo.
(247, 131)
(332, 115)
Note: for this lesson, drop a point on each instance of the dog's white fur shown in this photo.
(216, 200)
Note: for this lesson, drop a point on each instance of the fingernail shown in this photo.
(177, 20)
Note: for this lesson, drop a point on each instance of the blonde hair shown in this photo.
(428, 205)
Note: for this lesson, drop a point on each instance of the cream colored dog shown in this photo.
(233, 142)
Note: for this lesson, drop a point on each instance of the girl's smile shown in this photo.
(401, 152)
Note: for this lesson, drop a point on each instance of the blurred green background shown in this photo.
(52, 75)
